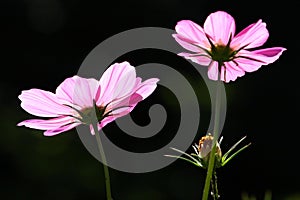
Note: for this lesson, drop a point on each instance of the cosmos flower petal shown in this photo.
(52, 132)
(147, 87)
(199, 58)
(135, 98)
(43, 103)
(103, 123)
(251, 61)
(231, 72)
(248, 65)
(213, 71)
(42, 124)
(186, 43)
(141, 91)
(268, 55)
(117, 81)
(123, 111)
(255, 35)
(66, 89)
(190, 32)
(126, 102)
(220, 26)
(84, 91)
(124, 106)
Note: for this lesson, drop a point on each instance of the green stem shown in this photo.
(211, 163)
(103, 158)
(214, 186)
(213, 189)
(216, 193)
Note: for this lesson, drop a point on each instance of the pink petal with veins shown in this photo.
(187, 43)
(52, 132)
(116, 82)
(146, 88)
(103, 123)
(84, 91)
(190, 32)
(219, 26)
(231, 72)
(255, 35)
(202, 59)
(213, 71)
(43, 103)
(47, 124)
(253, 60)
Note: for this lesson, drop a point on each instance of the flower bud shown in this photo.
(204, 148)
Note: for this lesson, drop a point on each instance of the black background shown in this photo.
(44, 42)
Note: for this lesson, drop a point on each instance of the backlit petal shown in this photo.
(140, 92)
(84, 91)
(201, 58)
(219, 26)
(187, 43)
(105, 121)
(117, 81)
(60, 129)
(251, 61)
(78, 92)
(213, 71)
(101, 124)
(147, 87)
(190, 32)
(252, 36)
(42, 124)
(231, 72)
(43, 103)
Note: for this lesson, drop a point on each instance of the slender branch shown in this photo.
(103, 158)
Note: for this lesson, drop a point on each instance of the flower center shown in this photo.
(96, 113)
(222, 53)
(90, 115)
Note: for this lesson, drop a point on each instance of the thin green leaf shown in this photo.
(188, 155)
(182, 158)
(232, 148)
(233, 155)
(193, 154)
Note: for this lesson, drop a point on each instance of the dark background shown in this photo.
(45, 41)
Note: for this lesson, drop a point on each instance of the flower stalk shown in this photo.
(211, 163)
(104, 161)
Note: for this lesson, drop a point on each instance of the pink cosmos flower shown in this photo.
(216, 46)
(77, 100)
